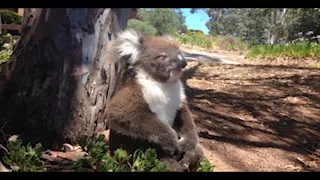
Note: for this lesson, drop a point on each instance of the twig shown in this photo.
(2, 132)
(2, 147)
(58, 160)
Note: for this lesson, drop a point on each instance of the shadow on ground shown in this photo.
(196, 56)
(268, 107)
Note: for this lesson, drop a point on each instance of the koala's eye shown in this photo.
(162, 56)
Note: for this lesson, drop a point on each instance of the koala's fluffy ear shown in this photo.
(128, 45)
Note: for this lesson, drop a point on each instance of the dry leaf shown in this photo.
(13, 138)
(3, 168)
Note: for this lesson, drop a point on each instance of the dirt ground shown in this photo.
(260, 115)
(257, 116)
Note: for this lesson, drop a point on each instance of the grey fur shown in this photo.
(129, 113)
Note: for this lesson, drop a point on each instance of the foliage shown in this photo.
(244, 23)
(195, 31)
(101, 160)
(264, 25)
(5, 55)
(195, 40)
(298, 50)
(165, 20)
(10, 17)
(181, 26)
(121, 161)
(229, 43)
(147, 162)
(300, 22)
(205, 166)
(141, 26)
(27, 158)
(24, 158)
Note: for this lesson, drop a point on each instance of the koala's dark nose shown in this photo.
(181, 61)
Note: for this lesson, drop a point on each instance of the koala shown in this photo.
(150, 109)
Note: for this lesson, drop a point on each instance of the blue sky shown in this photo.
(196, 20)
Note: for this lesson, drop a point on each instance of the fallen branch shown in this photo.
(63, 157)
(4, 148)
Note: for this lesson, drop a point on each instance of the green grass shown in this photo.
(299, 50)
(195, 40)
(229, 43)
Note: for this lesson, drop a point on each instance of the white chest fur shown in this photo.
(163, 99)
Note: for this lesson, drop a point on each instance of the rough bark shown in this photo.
(57, 84)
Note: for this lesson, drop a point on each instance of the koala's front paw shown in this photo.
(170, 144)
(187, 144)
(187, 158)
(192, 156)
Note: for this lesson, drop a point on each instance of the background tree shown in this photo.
(264, 25)
(57, 84)
(181, 26)
(165, 20)
(142, 26)
(302, 22)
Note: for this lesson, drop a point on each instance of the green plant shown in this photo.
(121, 161)
(27, 158)
(195, 31)
(140, 161)
(23, 158)
(147, 162)
(205, 166)
(10, 17)
(142, 26)
(4, 56)
(298, 50)
(229, 43)
(195, 40)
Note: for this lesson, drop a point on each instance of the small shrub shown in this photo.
(142, 26)
(27, 158)
(195, 31)
(102, 161)
(195, 40)
(205, 166)
(147, 162)
(298, 50)
(121, 161)
(23, 158)
(5, 55)
(10, 17)
(229, 43)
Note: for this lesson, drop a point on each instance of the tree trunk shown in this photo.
(273, 38)
(56, 86)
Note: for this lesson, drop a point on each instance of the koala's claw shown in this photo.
(171, 146)
(171, 149)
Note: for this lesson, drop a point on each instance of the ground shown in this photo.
(260, 115)
(251, 115)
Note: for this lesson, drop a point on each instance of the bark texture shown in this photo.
(56, 86)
